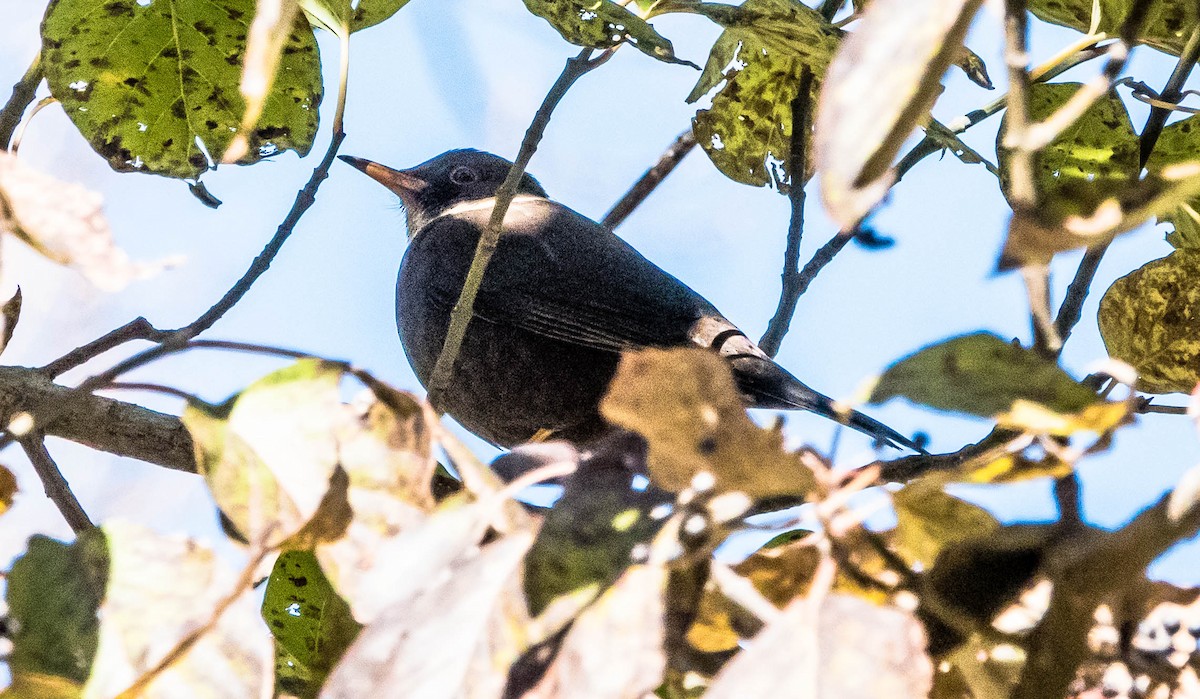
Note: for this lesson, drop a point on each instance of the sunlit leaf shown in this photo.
(831, 646)
(427, 642)
(685, 404)
(1150, 318)
(862, 121)
(1166, 26)
(270, 452)
(981, 374)
(151, 83)
(159, 590)
(1099, 418)
(305, 614)
(615, 647)
(602, 24)
(64, 222)
(755, 69)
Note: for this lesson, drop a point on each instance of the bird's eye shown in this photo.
(463, 175)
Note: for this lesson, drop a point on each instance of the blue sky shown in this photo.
(471, 73)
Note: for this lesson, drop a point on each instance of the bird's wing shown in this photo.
(570, 279)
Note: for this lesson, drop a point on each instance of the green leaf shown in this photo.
(1166, 26)
(1094, 159)
(310, 622)
(372, 12)
(586, 538)
(981, 374)
(756, 63)
(53, 593)
(1150, 318)
(929, 519)
(153, 84)
(1179, 143)
(602, 24)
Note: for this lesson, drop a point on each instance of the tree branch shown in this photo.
(22, 96)
(460, 316)
(56, 486)
(789, 294)
(102, 423)
(653, 177)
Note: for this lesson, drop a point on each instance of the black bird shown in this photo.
(561, 299)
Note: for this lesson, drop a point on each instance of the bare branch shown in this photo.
(102, 423)
(789, 294)
(653, 177)
(56, 486)
(460, 316)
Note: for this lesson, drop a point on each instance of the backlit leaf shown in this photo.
(981, 374)
(1150, 318)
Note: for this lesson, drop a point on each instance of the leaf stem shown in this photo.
(22, 95)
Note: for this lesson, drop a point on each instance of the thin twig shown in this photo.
(1148, 407)
(241, 587)
(1037, 285)
(653, 177)
(829, 8)
(151, 388)
(789, 294)
(1071, 309)
(304, 200)
(136, 329)
(822, 257)
(57, 488)
(460, 316)
(1022, 185)
(22, 95)
(1172, 92)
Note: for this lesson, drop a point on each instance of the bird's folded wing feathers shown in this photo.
(603, 294)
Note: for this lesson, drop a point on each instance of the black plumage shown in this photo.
(561, 299)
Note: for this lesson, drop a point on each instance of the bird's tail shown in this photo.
(772, 386)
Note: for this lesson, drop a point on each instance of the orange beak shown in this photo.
(401, 183)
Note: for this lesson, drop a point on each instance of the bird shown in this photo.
(561, 299)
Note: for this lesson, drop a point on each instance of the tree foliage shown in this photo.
(392, 562)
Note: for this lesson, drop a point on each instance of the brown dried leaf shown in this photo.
(684, 402)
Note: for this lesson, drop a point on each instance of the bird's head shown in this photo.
(435, 185)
